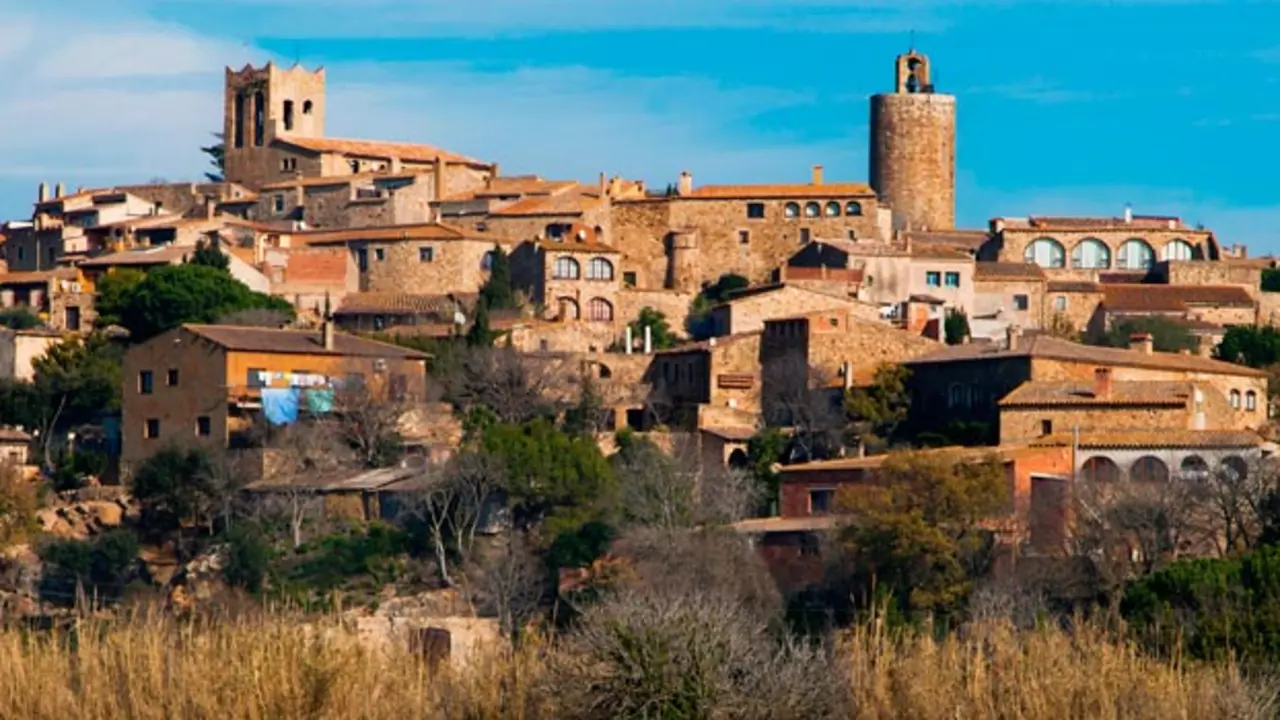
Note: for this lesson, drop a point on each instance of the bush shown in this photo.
(101, 567)
(358, 554)
(247, 557)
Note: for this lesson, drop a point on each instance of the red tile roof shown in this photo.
(512, 187)
(336, 180)
(1128, 393)
(298, 342)
(572, 202)
(1007, 271)
(1138, 439)
(1172, 298)
(803, 191)
(379, 149)
(365, 303)
(428, 231)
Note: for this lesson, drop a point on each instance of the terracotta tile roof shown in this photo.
(1139, 222)
(512, 187)
(297, 342)
(713, 343)
(377, 303)
(429, 231)
(1123, 277)
(569, 202)
(871, 462)
(335, 180)
(939, 252)
(806, 190)
(1146, 393)
(967, 239)
(926, 299)
(1051, 348)
(732, 434)
(163, 255)
(755, 290)
(13, 435)
(29, 278)
(1172, 298)
(1136, 439)
(379, 149)
(1007, 271)
(575, 246)
(1073, 286)
(82, 195)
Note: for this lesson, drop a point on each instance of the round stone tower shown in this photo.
(913, 149)
(683, 260)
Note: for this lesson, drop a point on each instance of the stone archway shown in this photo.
(1100, 469)
(1149, 469)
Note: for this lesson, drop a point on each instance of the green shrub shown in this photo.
(102, 567)
(248, 556)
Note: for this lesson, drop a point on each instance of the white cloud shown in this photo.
(1038, 89)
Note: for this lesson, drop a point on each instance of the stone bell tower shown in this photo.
(261, 104)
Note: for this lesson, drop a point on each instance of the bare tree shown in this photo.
(679, 490)
(451, 502)
(1234, 494)
(497, 379)
(800, 396)
(297, 456)
(369, 415)
(512, 578)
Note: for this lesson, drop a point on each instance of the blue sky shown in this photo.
(1064, 108)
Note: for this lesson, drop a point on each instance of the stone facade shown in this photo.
(353, 202)
(261, 104)
(722, 373)
(1097, 244)
(579, 282)
(19, 349)
(1246, 274)
(1007, 294)
(686, 240)
(1076, 302)
(673, 305)
(913, 149)
(748, 311)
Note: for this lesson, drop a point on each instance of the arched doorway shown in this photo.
(1100, 469)
(1194, 467)
(1149, 469)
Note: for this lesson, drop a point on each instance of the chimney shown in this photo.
(42, 194)
(1013, 337)
(1142, 342)
(685, 187)
(442, 178)
(817, 174)
(1102, 383)
(1128, 214)
(59, 190)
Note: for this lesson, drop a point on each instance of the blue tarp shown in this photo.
(280, 405)
(319, 401)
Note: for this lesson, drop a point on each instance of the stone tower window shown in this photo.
(812, 210)
(791, 210)
(833, 209)
(853, 207)
(238, 121)
(306, 107)
(259, 118)
(288, 114)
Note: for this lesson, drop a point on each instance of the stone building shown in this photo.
(354, 201)
(890, 273)
(748, 310)
(711, 383)
(1207, 308)
(913, 148)
(834, 349)
(557, 215)
(61, 298)
(963, 384)
(1004, 295)
(19, 349)
(1071, 303)
(690, 237)
(430, 259)
(310, 276)
(274, 131)
(203, 385)
(578, 279)
(1080, 248)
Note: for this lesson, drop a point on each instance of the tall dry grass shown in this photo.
(270, 668)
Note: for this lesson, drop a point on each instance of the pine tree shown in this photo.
(217, 158)
(480, 335)
(497, 291)
(208, 253)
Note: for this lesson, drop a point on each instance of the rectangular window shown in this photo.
(425, 254)
(1020, 302)
(172, 379)
(73, 318)
(146, 382)
(804, 236)
(744, 237)
(152, 429)
(256, 378)
(1046, 427)
(755, 211)
(379, 254)
(362, 259)
(933, 278)
(277, 203)
(53, 254)
(629, 279)
(1060, 303)
(21, 253)
(953, 279)
(204, 428)
(821, 502)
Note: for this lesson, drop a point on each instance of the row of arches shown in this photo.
(598, 309)
(567, 268)
(1150, 468)
(831, 209)
(1092, 253)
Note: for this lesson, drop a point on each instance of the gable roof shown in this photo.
(756, 290)
(1051, 348)
(339, 180)
(424, 231)
(970, 240)
(1130, 393)
(413, 152)
(575, 201)
(298, 342)
(1007, 271)
(712, 343)
(514, 186)
(804, 191)
(1136, 439)
(380, 303)
(1172, 298)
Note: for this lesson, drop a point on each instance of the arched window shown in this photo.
(1251, 400)
(812, 209)
(306, 107)
(599, 310)
(1135, 254)
(1194, 468)
(1177, 249)
(1091, 253)
(1046, 252)
(1234, 467)
(1100, 469)
(1235, 399)
(566, 268)
(853, 207)
(833, 209)
(486, 262)
(599, 269)
(791, 210)
(1149, 469)
(957, 396)
(568, 308)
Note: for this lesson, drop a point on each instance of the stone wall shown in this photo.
(1077, 306)
(991, 295)
(913, 158)
(675, 306)
(749, 314)
(1226, 272)
(1269, 308)
(1012, 243)
(569, 336)
(1023, 424)
(452, 266)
